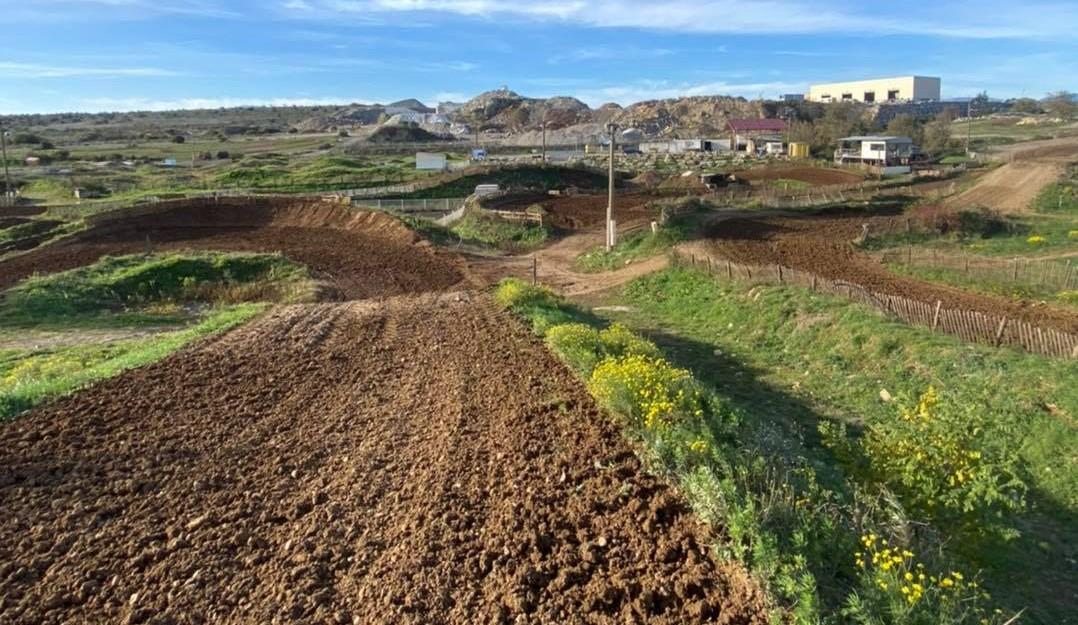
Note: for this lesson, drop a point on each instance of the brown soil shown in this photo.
(423, 460)
(582, 212)
(816, 176)
(359, 255)
(38, 231)
(1010, 188)
(823, 245)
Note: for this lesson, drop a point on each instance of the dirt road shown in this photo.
(1031, 166)
(421, 460)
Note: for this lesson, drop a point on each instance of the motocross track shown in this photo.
(823, 245)
(1012, 187)
(420, 460)
(357, 255)
(417, 459)
(581, 212)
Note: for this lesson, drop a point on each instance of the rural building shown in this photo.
(428, 161)
(680, 146)
(901, 89)
(892, 154)
(793, 97)
(751, 135)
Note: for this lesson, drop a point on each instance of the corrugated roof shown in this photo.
(771, 125)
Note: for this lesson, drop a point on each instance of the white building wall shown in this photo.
(908, 88)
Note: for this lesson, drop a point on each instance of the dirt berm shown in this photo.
(422, 460)
(357, 254)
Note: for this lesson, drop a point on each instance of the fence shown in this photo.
(774, 197)
(1053, 274)
(443, 205)
(966, 324)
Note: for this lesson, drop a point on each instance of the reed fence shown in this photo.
(969, 325)
(1056, 274)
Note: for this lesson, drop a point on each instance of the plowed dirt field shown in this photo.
(421, 460)
(823, 245)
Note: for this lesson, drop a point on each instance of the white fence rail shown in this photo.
(441, 205)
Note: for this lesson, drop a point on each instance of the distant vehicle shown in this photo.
(479, 154)
(484, 190)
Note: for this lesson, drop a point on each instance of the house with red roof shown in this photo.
(748, 135)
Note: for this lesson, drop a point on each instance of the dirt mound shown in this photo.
(358, 254)
(816, 176)
(823, 246)
(421, 461)
(581, 212)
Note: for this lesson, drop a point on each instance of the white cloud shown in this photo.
(971, 19)
(34, 70)
(609, 53)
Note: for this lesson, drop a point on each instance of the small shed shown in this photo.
(428, 161)
(745, 133)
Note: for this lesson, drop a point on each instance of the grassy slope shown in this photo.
(796, 359)
(200, 293)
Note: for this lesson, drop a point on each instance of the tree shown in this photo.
(937, 133)
(1026, 105)
(841, 119)
(906, 126)
(179, 139)
(1061, 104)
(980, 104)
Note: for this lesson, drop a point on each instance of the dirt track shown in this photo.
(582, 212)
(1012, 187)
(823, 245)
(359, 255)
(815, 176)
(423, 460)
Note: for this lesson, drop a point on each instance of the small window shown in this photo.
(870, 96)
(826, 97)
(846, 97)
(877, 147)
(892, 95)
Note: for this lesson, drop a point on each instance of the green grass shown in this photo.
(638, 246)
(28, 378)
(518, 178)
(788, 361)
(493, 231)
(1000, 285)
(136, 285)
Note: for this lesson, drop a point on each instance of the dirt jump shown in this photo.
(814, 176)
(823, 245)
(417, 458)
(357, 255)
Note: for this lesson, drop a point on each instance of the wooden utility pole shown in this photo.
(543, 126)
(3, 150)
(610, 191)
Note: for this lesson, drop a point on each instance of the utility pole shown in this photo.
(969, 124)
(3, 149)
(543, 126)
(612, 127)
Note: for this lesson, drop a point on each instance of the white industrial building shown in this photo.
(901, 89)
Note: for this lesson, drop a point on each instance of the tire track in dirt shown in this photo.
(421, 460)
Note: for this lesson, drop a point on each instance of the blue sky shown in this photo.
(94, 55)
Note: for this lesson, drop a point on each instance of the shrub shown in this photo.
(583, 347)
(651, 392)
(1036, 240)
(947, 461)
(179, 139)
(981, 222)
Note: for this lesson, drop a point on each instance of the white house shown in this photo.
(900, 89)
(891, 154)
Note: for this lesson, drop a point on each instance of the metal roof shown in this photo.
(878, 138)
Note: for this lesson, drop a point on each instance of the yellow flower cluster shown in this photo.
(1036, 240)
(650, 389)
(1073, 234)
(896, 570)
(39, 368)
(698, 446)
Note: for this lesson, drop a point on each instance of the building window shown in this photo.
(892, 95)
(877, 147)
(846, 97)
(826, 97)
(870, 96)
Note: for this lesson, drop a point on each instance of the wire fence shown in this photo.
(968, 325)
(441, 205)
(1055, 274)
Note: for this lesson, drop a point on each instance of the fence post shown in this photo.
(999, 331)
(813, 283)
(729, 270)
(781, 281)
(1015, 278)
(1067, 276)
(936, 315)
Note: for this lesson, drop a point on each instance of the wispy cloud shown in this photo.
(34, 70)
(55, 10)
(971, 19)
(609, 53)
